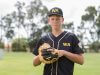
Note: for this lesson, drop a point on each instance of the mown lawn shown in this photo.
(91, 65)
(21, 64)
(18, 64)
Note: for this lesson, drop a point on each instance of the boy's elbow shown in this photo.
(36, 61)
(82, 61)
(35, 65)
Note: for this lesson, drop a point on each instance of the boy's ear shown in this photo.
(48, 19)
(63, 19)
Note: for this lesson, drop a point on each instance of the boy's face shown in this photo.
(55, 21)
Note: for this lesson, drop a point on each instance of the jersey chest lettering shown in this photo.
(66, 44)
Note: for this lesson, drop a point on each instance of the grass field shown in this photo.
(21, 64)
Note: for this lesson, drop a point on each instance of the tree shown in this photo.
(69, 26)
(1, 29)
(22, 46)
(90, 18)
(95, 46)
(91, 23)
(7, 26)
(1, 44)
(37, 20)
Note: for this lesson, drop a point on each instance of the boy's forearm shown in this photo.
(36, 61)
(77, 58)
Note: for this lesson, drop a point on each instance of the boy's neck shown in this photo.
(57, 32)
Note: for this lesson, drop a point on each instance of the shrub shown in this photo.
(19, 44)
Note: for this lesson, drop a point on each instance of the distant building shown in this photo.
(8, 47)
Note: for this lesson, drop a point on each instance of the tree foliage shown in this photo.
(22, 46)
(92, 16)
(1, 44)
(92, 19)
(95, 46)
(7, 26)
(32, 18)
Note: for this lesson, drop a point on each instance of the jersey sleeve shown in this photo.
(39, 43)
(76, 48)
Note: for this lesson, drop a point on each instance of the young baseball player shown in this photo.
(65, 42)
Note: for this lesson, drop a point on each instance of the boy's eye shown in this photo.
(55, 19)
(52, 18)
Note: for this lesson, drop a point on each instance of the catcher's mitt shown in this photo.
(47, 54)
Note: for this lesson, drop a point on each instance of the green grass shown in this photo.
(91, 65)
(21, 64)
(18, 64)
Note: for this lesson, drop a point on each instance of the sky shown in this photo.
(72, 9)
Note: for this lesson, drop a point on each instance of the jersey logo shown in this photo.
(66, 44)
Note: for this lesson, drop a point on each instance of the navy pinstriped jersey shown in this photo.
(65, 41)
